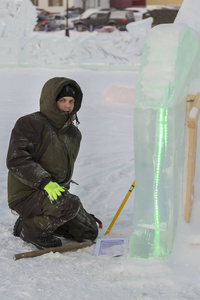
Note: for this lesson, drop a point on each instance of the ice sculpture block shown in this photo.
(169, 64)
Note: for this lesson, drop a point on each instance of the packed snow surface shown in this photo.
(105, 172)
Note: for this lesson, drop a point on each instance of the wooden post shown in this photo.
(194, 112)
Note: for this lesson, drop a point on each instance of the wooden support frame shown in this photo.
(192, 124)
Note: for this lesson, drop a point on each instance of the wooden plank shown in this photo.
(60, 249)
(190, 172)
(193, 116)
(194, 112)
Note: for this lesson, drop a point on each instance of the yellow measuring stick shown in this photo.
(120, 208)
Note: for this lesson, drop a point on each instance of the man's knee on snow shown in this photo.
(66, 207)
(82, 227)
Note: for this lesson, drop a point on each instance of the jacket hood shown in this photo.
(48, 105)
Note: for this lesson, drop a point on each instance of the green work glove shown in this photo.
(54, 190)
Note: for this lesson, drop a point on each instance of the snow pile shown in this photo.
(86, 49)
(139, 31)
(17, 18)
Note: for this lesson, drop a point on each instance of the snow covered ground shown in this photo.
(104, 171)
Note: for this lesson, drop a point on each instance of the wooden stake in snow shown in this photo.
(60, 249)
(194, 113)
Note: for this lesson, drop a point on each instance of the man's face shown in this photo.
(66, 104)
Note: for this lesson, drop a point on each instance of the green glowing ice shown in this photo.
(159, 131)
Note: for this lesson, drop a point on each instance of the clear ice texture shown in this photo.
(169, 65)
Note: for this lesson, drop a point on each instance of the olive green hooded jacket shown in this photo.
(43, 145)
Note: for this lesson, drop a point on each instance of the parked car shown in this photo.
(147, 11)
(137, 12)
(61, 20)
(93, 20)
(43, 12)
(120, 18)
(53, 22)
(72, 16)
(161, 16)
(75, 12)
(45, 23)
(90, 20)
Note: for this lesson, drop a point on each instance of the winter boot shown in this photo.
(42, 242)
(18, 226)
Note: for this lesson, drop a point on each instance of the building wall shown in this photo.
(92, 3)
(120, 4)
(130, 3)
(126, 3)
(138, 2)
(164, 2)
(44, 4)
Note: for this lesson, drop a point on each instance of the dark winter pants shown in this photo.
(67, 218)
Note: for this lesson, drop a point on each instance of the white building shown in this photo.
(60, 5)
